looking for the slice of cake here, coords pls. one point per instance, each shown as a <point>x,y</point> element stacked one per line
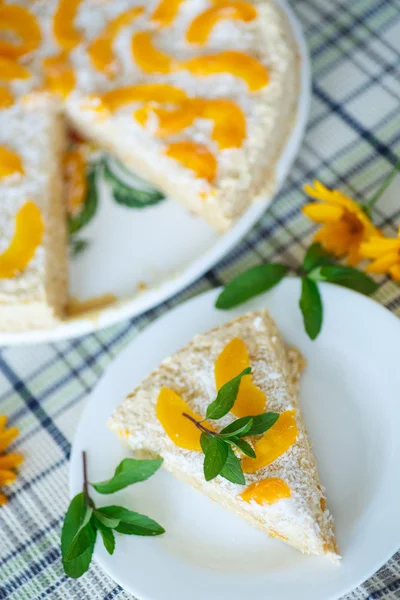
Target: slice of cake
<point>282,494</point>
<point>33,248</point>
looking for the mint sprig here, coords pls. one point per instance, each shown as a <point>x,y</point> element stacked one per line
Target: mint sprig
<point>219,457</point>
<point>83,520</point>
<point>318,265</point>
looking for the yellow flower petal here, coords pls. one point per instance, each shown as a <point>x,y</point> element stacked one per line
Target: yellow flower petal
<point>7,477</point>
<point>7,436</point>
<point>3,422</point>
<point>10,461</point>
<point>377,246</point>
<point>321,213</point>
<point>395,272</point>
<point>384,263</point>
<point>354,256</point>
<point>3,499</point>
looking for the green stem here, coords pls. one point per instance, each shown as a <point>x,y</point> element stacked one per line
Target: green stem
<point>388,180</point>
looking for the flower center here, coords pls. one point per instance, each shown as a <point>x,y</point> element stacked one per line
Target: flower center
<point>353,223</point>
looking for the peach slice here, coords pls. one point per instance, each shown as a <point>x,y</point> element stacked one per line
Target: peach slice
<point>11,69</point>
<point>10,163</point>
<point>195,157</point>
<point>75,180</point>
<point>183,432</point>
<point>166,12</point>
<point>230,362</point>
<point>100,49</point>
<point>275,442</point>
<point>239,64</point>
<point>143,92</point>
<point>201,27</point>
<point>64,30</point>
<point>18,21</point>
<point>6,97</point>
<point>59,74</point>
<point>267,491</point>
<point>148,58</point>
<point>27,237</point>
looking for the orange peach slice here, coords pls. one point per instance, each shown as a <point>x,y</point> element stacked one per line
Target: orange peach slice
<point>239,64</point>
<point>267,491</point>
<point>143,92</point>
<point>230,362</point>
<point>11,69</point>
<point>6,97</point>
<point>148,58</point>
<point>183,432</point>
<point>201,27</point>
<point>64,30</point>
<point>100,49</point>
<point>18,21</point>
<point>10,163</point>
<point>275,442</point>
<point>59,74</point>
<point>75,180</point>
<point>166,12</point>
<point>195,157</point>
<point>27,237</point>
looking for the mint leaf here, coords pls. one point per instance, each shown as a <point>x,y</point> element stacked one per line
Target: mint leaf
<point>77,246</point>
<point>263,422</point>
<point>215,457</point>
<point>232,470</point>
<point>77,519</point>
<point>137,195</point>
<point>311,307</point>
<point>243,446</point>
<point>132,523</point>
<point>104,520</point>
<point>252,282</point>
<point>75,223</point>
<point>129,471</point>
<point>108,539</point>
<point>237,428</point>
<point>315,257</point>
<point>226,397</point>
<point>346,277</point>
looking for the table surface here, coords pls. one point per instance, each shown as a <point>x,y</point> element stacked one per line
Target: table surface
<point>352,141</point>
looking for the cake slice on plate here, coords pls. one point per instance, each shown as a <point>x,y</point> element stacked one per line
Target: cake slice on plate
<point>33,245</point>
<point>282,494</point>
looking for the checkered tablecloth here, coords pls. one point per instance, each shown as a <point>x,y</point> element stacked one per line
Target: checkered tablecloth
<point>353,139</point>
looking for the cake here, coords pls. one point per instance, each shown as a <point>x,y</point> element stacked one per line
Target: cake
<point>33,246</point>
<point>282,494</point>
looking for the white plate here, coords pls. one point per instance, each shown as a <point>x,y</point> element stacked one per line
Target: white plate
<point>163,246</point>
<point>350,399</point>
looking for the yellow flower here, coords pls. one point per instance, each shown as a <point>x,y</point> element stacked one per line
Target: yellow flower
<point>7,461</point>
<point>345,224</point>
<point>386,252</point>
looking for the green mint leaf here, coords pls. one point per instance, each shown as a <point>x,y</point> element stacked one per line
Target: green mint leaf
<point>132,523</point>
<point>104,521</point>
<point>347,277</point>
<point>243,446</point>
<point>311,307</point>
<point>108,539</point>
<point>232,470</point>
<point>215,457</point>
<point>78,556</point>
<point>252,282</point>
<point>226,397</point>
<point>129,471</point>
<point>315,257</point>
<point>261,423</point>
<point>138,194</point>
<point>238,428</point>
<point>78,515</point>
<point>75,223</point>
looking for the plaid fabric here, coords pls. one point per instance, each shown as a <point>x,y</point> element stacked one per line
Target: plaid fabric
<point>352,140</point>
